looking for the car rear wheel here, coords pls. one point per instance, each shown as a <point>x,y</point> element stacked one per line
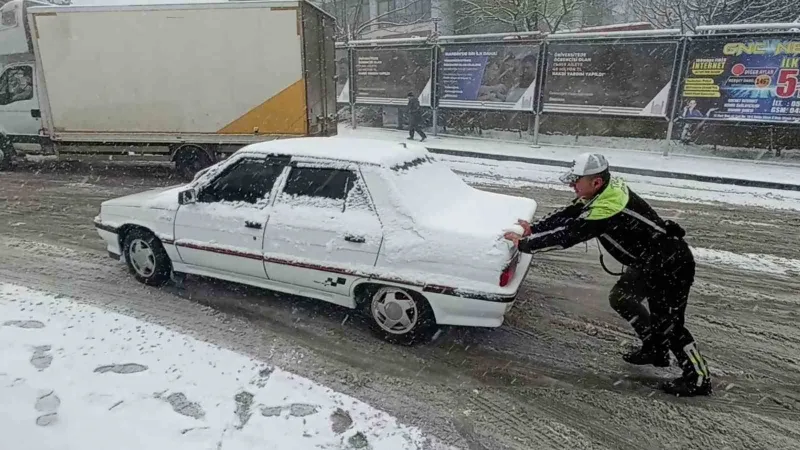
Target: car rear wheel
<point>146,257</point>
<point>399,316</point>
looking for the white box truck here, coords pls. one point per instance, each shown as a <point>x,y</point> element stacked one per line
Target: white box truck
<point>192,81</point>
<point>19,103</point>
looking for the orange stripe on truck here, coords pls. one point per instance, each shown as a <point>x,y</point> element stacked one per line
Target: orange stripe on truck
<point>285,113</point>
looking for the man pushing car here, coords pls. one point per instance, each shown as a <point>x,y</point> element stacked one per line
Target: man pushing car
<point>659,265</point>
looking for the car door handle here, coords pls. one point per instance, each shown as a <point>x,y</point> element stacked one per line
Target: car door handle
<point>250,224</point>
<point>356,239</point>
<point>36,113</point>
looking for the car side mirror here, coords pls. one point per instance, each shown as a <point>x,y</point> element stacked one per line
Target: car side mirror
<point>187,196</point>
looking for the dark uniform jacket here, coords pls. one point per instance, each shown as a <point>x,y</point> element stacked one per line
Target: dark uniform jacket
<point>626,226</point>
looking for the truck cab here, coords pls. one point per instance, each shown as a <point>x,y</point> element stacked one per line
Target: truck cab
<point>20,117</point>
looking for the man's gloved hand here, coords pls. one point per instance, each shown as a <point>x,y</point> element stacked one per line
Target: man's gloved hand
<point>675,230</point>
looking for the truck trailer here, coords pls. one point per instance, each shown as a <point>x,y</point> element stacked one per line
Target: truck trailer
<point>192,81</point>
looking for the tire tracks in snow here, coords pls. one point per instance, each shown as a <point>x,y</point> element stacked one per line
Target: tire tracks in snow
<point>544,380</point>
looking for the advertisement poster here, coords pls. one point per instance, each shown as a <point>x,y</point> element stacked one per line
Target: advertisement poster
<point>342,76</point>
<point>490,76</point>
<point>745,80</point>
<point>385,76</point>
<point>609,78</point>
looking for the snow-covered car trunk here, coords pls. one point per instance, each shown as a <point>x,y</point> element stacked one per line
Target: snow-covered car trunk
<point>434,221</point>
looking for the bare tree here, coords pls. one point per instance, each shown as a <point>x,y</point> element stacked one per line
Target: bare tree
<point>516,15</point>
<point>689,14</point>
<point>354,18</point>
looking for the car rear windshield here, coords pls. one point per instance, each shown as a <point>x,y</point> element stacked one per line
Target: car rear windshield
<point>428,188</point>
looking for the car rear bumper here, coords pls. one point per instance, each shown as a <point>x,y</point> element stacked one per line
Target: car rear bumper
<point>459,311</point>
<point>487,310</point>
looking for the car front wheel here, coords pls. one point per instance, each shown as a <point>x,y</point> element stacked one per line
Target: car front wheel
<point>400,316</point>
<point>146,257</point>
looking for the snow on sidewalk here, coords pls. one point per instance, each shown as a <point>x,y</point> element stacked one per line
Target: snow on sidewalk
<point>75,376</point>
<point>514,174</point>
<point>636,159</point>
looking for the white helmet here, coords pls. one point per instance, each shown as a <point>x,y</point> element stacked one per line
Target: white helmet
<point>585,164</point>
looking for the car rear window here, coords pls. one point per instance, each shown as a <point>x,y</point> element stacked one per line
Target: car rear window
<point>427,187</point>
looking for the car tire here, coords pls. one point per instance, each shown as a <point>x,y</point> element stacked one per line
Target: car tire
<point>398,316</point>
<point>191,159</point>
<point>146,258</point>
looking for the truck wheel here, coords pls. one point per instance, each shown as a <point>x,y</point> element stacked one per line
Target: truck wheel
<point>7,153</point>
<point>190,159</point>
<point>399,316</point>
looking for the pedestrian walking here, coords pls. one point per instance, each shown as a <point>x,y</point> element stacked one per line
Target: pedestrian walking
<point>415,118</point>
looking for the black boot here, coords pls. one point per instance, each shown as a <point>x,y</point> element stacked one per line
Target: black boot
<point>658,357</point>
<point>688,385</point>
<point>696,378</point>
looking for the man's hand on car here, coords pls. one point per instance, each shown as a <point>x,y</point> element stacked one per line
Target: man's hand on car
<point>516,237</point>
<point>526,227</point>
<point>513,237</point>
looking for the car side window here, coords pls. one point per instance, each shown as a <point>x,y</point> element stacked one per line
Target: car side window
<point>318,186</point>
<point>16,85</point>
<point>9,18</point>
<point>249,181</point>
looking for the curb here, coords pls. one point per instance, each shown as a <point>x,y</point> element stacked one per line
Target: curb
<point>629,170</point>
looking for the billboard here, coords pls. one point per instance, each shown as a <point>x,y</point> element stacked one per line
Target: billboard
<point>488,76</point>
<point>609,78</point>
<point>385,76</point>
<point>743,79</point>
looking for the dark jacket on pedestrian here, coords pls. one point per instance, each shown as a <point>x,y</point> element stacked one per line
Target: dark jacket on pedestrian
<point>414,111</point>
<point>625,225</point>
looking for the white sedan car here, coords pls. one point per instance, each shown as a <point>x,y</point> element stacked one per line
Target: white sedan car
<point>378,226</point>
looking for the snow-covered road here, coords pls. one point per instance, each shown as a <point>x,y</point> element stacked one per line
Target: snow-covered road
<point>77,376</point>
<point>516,175</point>
<point>550,378</point>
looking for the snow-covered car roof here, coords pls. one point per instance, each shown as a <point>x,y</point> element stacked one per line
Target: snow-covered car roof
<point>356,150</point>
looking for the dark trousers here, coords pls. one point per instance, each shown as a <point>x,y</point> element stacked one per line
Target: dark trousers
<point>666,289</point>
<point>413,126</point>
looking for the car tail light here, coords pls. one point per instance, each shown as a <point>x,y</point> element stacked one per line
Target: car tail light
<point>509,271</point>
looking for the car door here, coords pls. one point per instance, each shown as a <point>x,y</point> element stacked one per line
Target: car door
<point>19,105</point>
<point>323,228</point>
<point>223,231</point>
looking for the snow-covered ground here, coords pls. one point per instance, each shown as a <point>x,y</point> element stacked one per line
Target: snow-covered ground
<point>519,175</point>
<point>546,380</point>
<point>637,159</point>
<point>75,376</point>
<point>748,261</point>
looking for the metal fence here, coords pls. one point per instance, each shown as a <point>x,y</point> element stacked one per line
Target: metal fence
<point>744,74</point>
